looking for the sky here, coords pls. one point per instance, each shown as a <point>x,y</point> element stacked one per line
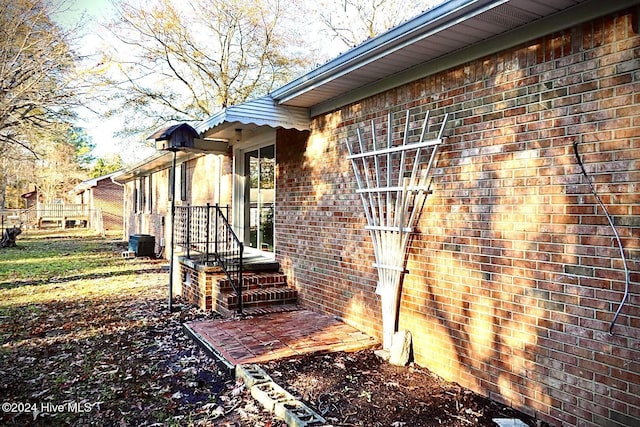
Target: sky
<point>98,128</point>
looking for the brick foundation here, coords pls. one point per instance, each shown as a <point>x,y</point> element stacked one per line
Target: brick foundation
<point>198,284</point>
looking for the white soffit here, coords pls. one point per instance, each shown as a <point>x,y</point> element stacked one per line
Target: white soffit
<point>450,30</point>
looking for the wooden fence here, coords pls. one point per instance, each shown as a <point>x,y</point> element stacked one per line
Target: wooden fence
<point>53,215</point>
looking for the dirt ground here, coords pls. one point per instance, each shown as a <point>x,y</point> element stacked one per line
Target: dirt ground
<point>87,340</point>
<point>359,389</point>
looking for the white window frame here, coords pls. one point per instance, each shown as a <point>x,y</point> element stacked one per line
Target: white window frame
<point>256,142</point>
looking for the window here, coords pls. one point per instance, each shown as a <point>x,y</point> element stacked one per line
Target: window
<point>171,181</point>
<point>150,193</point>
<point>142,195</point>
<point>183,182</point>
<point>136,206</point>
<point>260,167</point>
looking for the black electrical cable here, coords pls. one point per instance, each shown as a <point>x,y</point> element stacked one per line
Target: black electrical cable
<point>615,232</point>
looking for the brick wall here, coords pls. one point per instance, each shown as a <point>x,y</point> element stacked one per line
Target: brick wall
<point>208,179</point>
<point>514,274</point>
<point>196,286</point>
<point>154,222</point>
<point>108,196</point>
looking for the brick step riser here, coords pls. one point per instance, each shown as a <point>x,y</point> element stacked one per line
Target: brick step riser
<point>252,286</point>
<point>229,311</point>
<point>230,299</point>
<point>270,303</point>
<point>228,302</point>
<point>251,283</point>
<point>260,291</point>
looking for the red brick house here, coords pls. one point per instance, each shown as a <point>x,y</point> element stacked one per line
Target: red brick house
<point>31,198</point>
<point>514,276</point>
<point>105,195</point>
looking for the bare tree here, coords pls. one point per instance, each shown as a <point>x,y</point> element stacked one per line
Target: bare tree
<point>16,173</point>
<point>58,170</point>
<point>182,61</point>
<point>354,21</point>
<point>36,66</point>
<point>62,162</point>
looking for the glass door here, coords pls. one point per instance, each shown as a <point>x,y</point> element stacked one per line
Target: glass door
<point>259,197</point>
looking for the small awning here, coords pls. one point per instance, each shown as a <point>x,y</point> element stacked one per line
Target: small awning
<point>152,164</point>
<point>251,115</point>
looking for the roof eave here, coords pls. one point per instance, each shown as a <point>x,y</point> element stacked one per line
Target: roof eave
<point>577,15</point>
<point>155,163</point>
<point>403,34</point>
<point>89,183</point>
<point>442,18</point>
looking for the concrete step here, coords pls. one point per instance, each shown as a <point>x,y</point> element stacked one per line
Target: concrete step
<point>254,263</point>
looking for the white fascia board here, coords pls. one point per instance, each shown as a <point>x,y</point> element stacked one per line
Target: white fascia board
<point>210,146</point>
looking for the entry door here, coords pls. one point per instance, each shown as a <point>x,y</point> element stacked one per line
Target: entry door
<point>259,197</point>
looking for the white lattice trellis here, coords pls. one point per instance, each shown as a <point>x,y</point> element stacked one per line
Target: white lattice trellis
<point>393,179</point>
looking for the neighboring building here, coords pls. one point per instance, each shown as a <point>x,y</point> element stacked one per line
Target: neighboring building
<point>514,275</point>
<point>31,198</point>
<point>102,194</point>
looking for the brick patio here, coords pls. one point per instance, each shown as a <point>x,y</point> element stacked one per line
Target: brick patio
<point>277,335</point>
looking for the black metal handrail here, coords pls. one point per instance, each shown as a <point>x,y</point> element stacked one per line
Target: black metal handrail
<point>206,231</point>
